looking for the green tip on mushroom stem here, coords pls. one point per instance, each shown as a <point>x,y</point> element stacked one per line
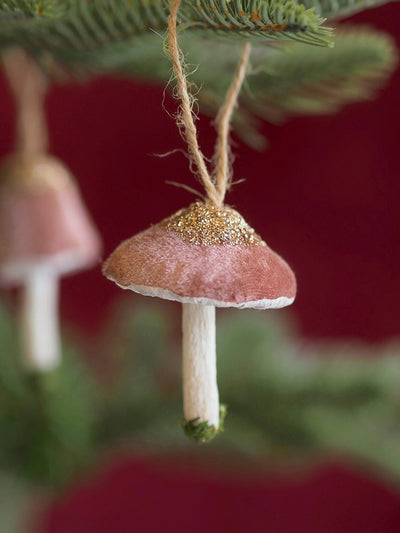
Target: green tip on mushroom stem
<point>202,431</point>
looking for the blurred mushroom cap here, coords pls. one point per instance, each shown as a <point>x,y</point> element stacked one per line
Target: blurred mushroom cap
<point>43,219</point>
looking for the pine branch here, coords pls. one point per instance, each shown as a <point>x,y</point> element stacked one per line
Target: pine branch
<point>294,79</point>
<point>291,80</point>
<point>336,9</point>
<point>315,82</point>
<point>17,10</point>
<point>65,30</point>
<point>273,18</point>
<point>119,36</point>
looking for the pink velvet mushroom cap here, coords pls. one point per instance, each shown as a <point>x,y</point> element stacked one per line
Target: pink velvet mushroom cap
<point>43,219</point>
<point>204,255</point>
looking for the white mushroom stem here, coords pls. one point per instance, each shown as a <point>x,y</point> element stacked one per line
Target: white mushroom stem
<point>39,320</point>
<point>200,392</point>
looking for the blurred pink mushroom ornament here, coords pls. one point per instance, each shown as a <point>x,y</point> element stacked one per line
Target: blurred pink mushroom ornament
<point>45,232</point>
<point>45,229</point>
<point>204,257</point>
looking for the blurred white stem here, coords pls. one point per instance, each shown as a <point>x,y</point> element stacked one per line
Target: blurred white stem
<point>40,327</point>
<point>200,392</point>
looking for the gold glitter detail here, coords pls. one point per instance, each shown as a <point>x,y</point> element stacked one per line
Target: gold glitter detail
<point>205,224</point>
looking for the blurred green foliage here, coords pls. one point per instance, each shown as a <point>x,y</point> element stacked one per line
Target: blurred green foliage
<point>47,420</point>
<point>287,399</point>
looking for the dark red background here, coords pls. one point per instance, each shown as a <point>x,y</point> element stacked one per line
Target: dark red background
<point>326,196</point>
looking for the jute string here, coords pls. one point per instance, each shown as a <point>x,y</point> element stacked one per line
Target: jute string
<point>222,154</point>
<point>28,86</point>
<point>216,184</point>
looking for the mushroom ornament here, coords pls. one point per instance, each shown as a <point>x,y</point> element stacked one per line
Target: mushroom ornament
<point>204,257</point>
<point>45,228</point>
<point>45,232</point>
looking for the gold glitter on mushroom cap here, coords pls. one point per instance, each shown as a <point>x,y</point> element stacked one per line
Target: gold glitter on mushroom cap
<point>204,224</point>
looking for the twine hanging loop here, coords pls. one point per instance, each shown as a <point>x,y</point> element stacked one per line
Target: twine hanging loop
<point>216,183</point>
